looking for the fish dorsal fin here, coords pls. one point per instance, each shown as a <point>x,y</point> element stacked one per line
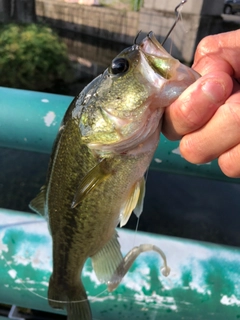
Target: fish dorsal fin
<point>106,261</point>
<point>139,207</point>
<point>134,200</point>
<point>89,182</point>
<point>38,203</point>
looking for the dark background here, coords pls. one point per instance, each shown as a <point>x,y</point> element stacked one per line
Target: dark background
<point>175,205</point>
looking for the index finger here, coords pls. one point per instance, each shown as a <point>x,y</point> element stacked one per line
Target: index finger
<point>219,52</point>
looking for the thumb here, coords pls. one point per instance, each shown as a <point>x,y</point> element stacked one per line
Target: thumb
<point>196,105</point>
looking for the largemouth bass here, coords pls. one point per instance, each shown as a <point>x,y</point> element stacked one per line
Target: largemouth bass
<point>96,174</point>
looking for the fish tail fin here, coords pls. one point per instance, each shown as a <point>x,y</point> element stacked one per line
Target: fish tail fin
<point>79,310</point>
<point>74,299</point>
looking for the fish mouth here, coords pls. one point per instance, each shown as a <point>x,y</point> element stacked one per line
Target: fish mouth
<point>161,62</point>
<point>151,46</point>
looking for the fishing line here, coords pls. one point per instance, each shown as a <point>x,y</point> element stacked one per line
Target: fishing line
<point>178,17</point>
<point>8,263</point>
<point>138,219</point>
<point>22,283</point>
<point>135,232</point>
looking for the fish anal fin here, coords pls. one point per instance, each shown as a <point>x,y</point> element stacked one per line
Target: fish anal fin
<point>131,202</point>
<point>106,260</point>
<point>95,176</point>
<point>38,203</point>
<point>139,207</point>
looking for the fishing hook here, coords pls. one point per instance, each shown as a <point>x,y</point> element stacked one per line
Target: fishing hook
<point>135,40</point>
<point>177,19</point>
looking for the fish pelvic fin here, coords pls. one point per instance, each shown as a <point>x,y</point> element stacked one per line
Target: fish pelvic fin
<point>72,298</point>
<point>106,260</point>
<point>134,202</point>
<point>38,203</point>
<point>139,207</point>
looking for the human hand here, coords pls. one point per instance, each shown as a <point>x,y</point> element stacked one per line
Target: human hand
<point>206,117</point>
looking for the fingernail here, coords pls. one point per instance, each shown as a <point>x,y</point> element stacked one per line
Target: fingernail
<point>214,89</point>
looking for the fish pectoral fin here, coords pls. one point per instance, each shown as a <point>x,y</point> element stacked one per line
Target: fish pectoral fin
<point>139,207</point>
<point>95,176</point>
<point>106,260</point>
<point>134,200</point>
<point>38,203</point>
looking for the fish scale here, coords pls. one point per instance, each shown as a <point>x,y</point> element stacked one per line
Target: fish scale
<point>96,174</point>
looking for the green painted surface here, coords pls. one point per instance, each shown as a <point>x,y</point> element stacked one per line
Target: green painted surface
<point>204,282</point>
<point>30,121</point>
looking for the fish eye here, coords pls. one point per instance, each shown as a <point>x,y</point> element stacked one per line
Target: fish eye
<point>119,65</point>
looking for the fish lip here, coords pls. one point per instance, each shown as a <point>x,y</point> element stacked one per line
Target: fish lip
<point>151,46</point>
<point>159,60</point>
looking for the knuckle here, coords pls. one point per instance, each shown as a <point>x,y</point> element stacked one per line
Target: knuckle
<point>193,150</point>
<point>228,163</point>
<point>234,110</point>
<point>187,113</point>
<point>206,45</point>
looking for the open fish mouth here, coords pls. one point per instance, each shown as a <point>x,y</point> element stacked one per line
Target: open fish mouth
<point>153,47</point>
<point>167,66</point>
